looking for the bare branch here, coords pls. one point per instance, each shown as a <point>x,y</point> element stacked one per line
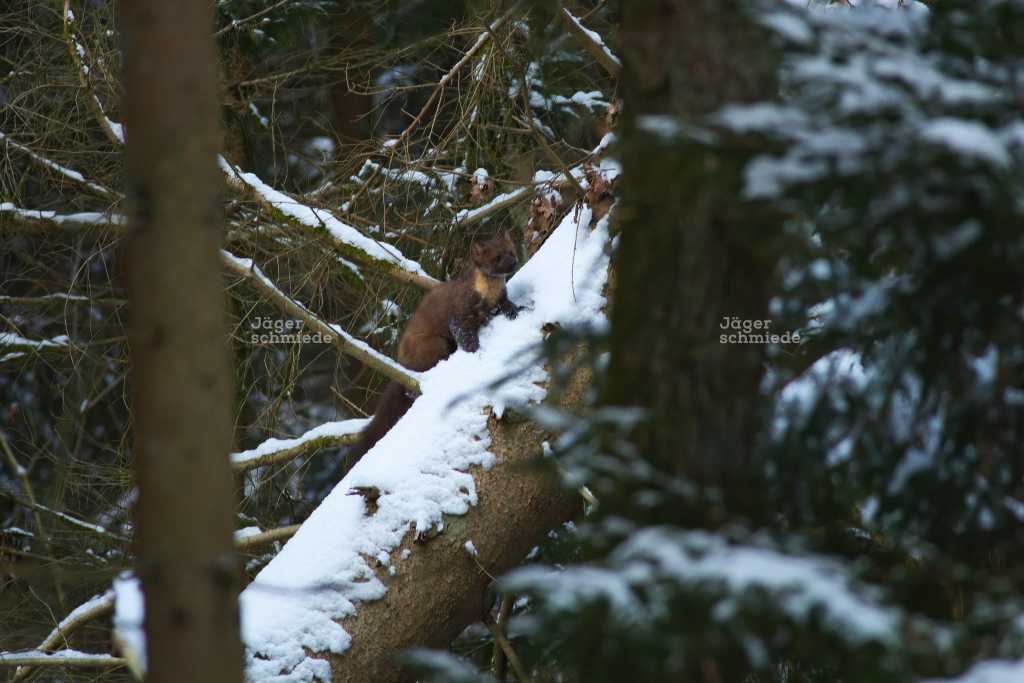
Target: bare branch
<point>252,17</point>
<point>264,537</point>
<point>26,485</point>
<point>481,39</point>
<point>59,299</point>
<point>498,632</point>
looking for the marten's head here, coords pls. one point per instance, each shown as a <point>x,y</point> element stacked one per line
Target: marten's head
<point>495,257</point>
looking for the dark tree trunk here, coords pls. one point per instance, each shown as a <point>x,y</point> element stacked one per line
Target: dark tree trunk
<point>691,252</point>
<point>353,30</point>
<point>178,332</point>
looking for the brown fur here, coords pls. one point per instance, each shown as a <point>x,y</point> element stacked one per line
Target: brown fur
<point>448,318</point>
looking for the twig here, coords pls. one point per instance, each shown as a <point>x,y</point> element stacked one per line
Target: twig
<point>60,299</point>
<point>481,39</point>
<point>22,474</point>
<point>500,660</point>
<point>544,143</point>
<point>498,633</point>
<point>252,17</point>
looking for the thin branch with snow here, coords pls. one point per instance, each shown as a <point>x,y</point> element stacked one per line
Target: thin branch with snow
<point>81,219</point>
<point>341,340</point>
<point>60,658</point>
<point>540,179</point>
<point>114,131</point>
<point>273,451</point>
<point>592,42</point>
<point>70,174</point>
<point>350,242</point>
<point>94,608</point>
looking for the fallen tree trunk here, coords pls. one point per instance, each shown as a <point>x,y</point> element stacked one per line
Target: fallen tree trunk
<point>400,554</point>
<point>440,588</point>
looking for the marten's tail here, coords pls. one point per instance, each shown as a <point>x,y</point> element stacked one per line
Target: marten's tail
<point>393,404</point>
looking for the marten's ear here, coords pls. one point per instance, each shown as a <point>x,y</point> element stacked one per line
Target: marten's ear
<point>507,237</point>
<point>476,251</point>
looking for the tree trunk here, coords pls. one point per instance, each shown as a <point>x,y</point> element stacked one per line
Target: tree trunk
<point>691,252</point>
<point>439,589</point>
<point>178,332</point>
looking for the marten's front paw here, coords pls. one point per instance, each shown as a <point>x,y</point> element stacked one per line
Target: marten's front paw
<point>472,345</point>
<point>511,311</point>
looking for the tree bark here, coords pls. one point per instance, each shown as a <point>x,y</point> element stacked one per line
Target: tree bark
<point>178,335</point>
<point>691,251</point>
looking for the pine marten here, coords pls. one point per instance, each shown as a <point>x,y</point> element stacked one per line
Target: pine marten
<point>448,318</point>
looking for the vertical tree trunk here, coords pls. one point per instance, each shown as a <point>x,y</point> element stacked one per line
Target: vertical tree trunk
<point>691,252</point>
<point>352,29</point>
<point>178,333</point>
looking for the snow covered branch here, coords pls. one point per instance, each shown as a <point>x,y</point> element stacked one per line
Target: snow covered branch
<point>70,174</point>
<point>347,240</point>
<point>71,520</point>
<point>592,42</point>
<point>15,343</point>
<point>60,658</point>
<point>94,608</point>
<point>274,451</point>
<point>14,347</point>
<point>341,340</point>
<point>114,131</point>
<point>575,176</point>
<point>80,219</point>
<point>243,267</point>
